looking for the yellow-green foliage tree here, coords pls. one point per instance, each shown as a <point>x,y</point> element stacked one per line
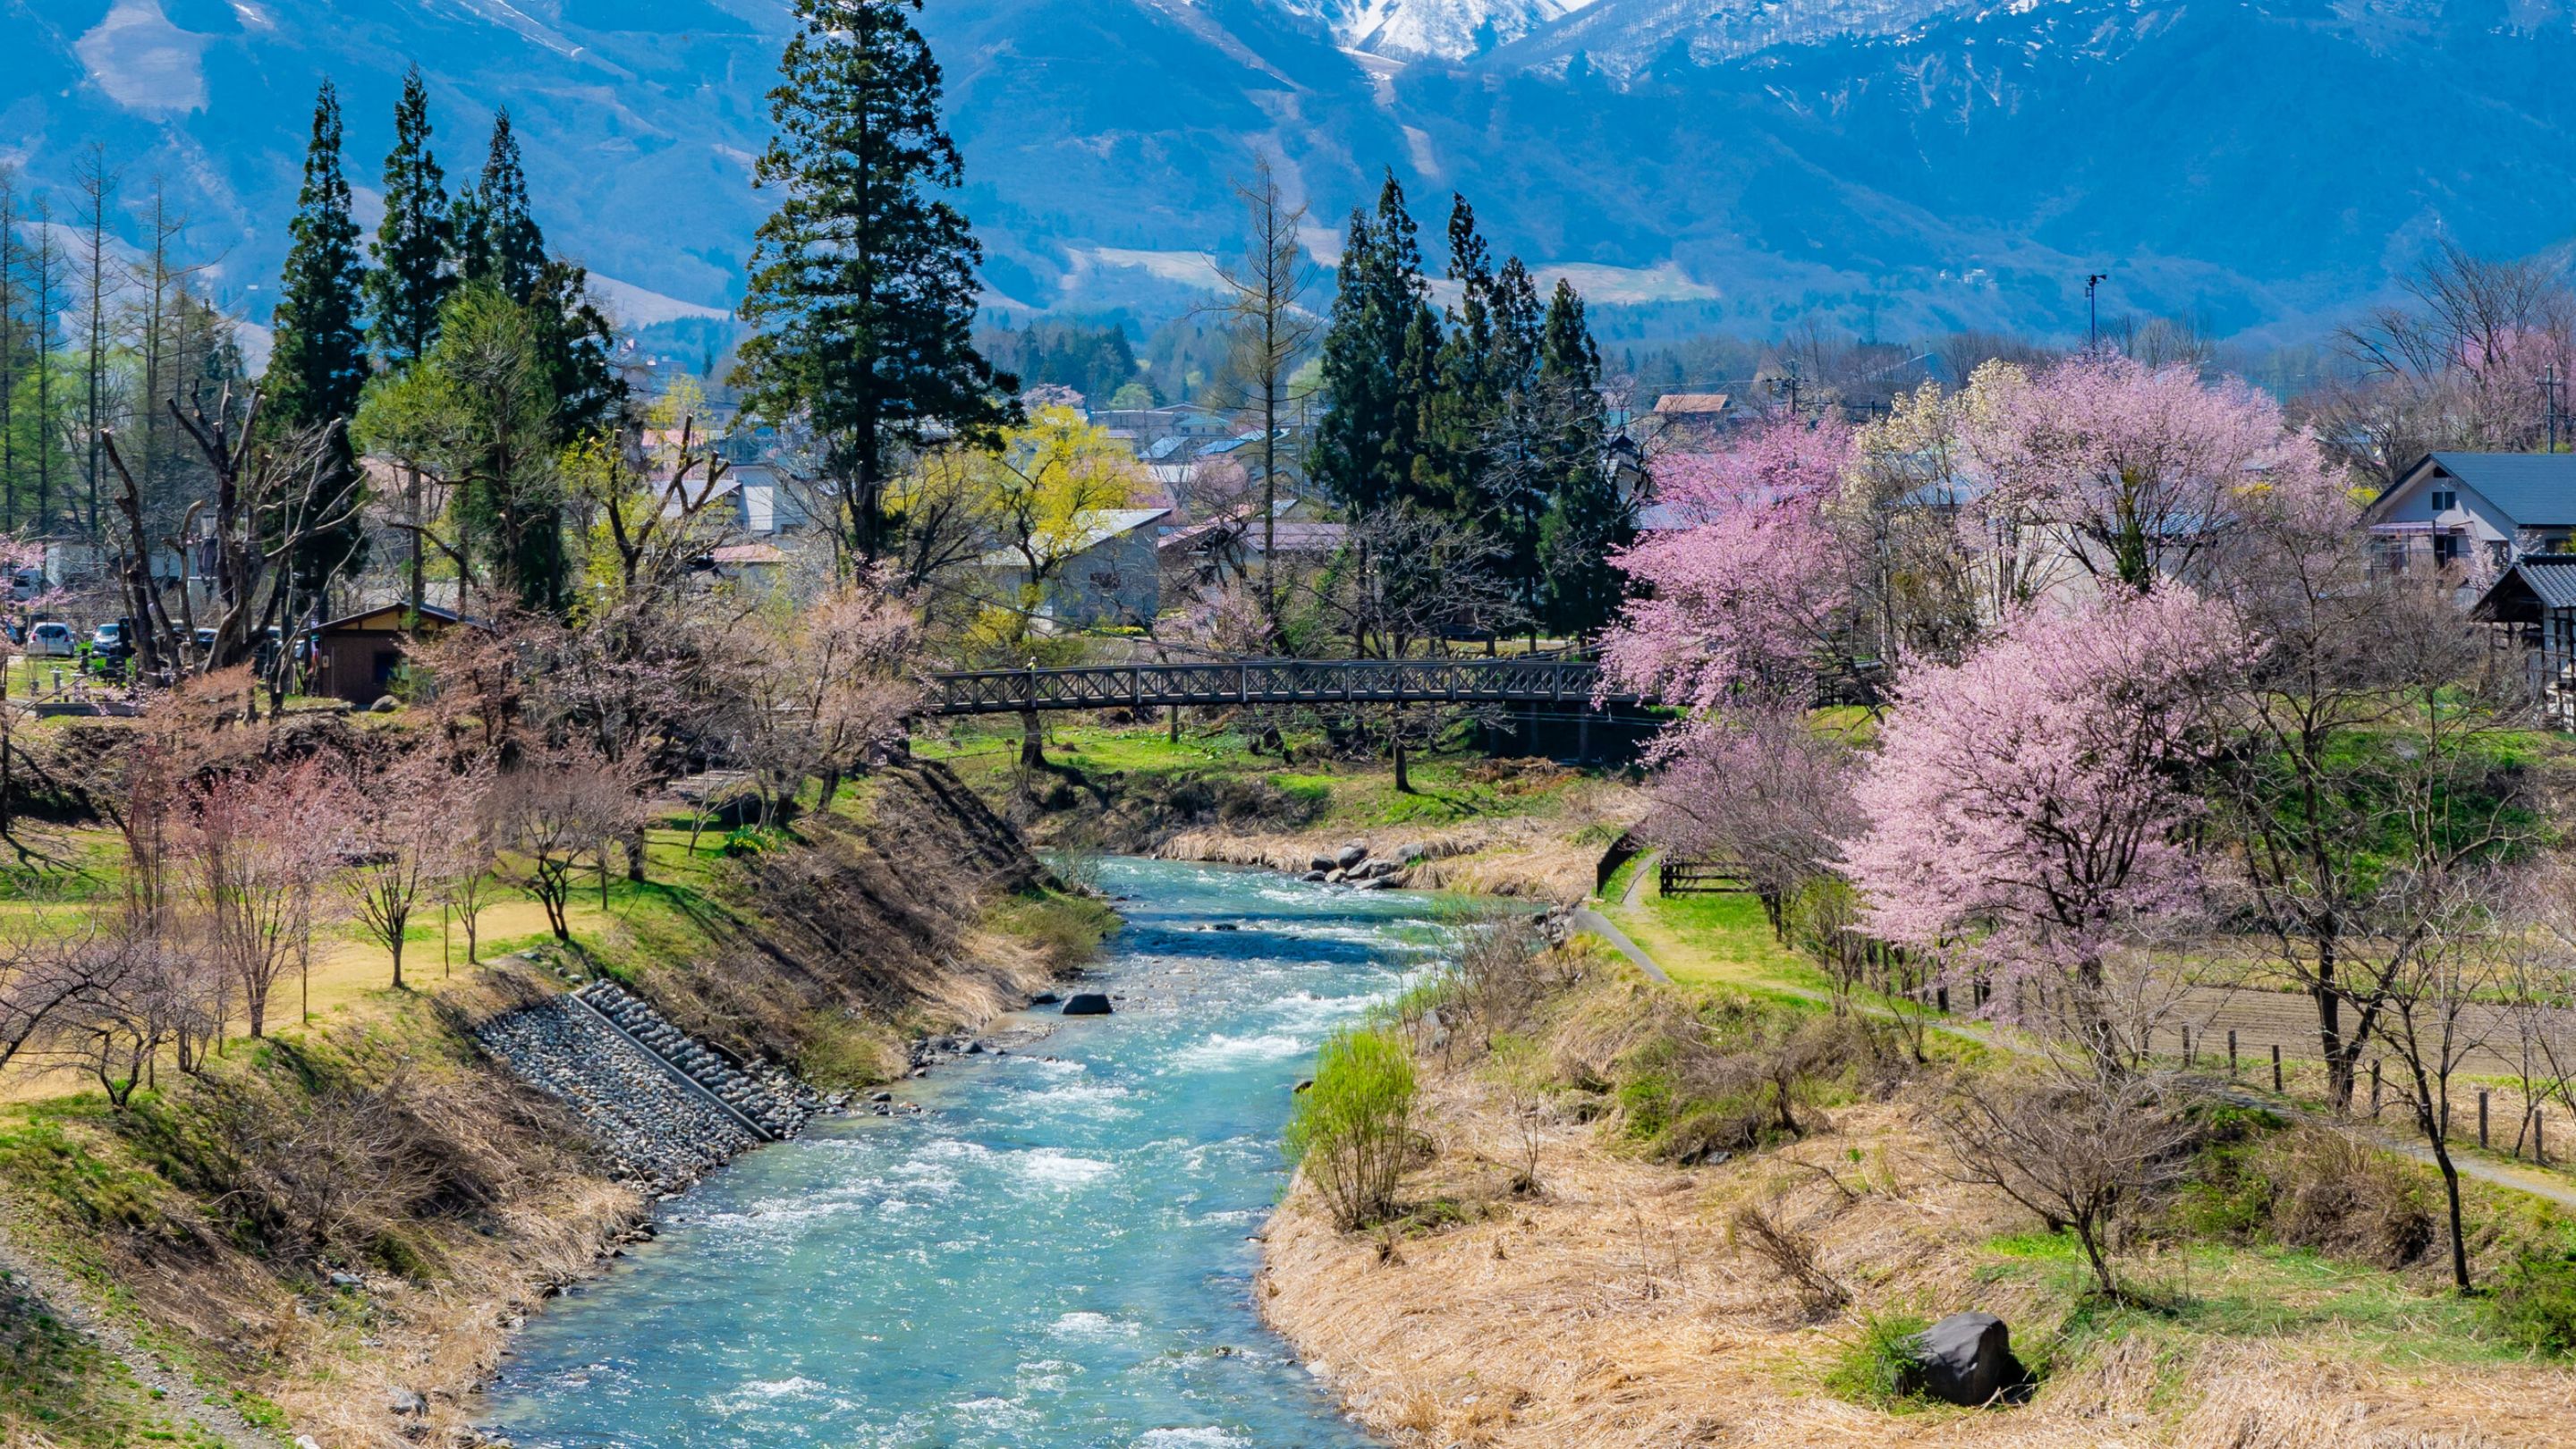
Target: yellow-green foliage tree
<point>1038,496</point>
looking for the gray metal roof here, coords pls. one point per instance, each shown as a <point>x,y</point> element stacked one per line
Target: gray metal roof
<point>2537,489</point>
<point>2537,583</point>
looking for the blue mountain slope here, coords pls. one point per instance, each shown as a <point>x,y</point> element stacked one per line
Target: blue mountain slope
<point>2259,163</point>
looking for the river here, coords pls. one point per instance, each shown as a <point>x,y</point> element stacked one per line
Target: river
<point>1055,1255</point>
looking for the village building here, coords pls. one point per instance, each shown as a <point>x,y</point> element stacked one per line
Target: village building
<point>2482,511</point>
<point>1113,578</point>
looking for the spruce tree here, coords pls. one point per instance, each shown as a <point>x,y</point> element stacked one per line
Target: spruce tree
<point>863,282</point>
<point>411,279</point>
<point>497,239</point>
<point>1380,353</point>
<point>318,363</point>
<point>1588,518</point>
<point>1462,404</point>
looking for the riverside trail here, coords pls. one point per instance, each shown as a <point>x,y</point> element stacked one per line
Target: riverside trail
<point>1056,1253</point>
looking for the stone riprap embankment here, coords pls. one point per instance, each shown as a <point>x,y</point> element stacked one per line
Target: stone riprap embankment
<point>659,1103</point>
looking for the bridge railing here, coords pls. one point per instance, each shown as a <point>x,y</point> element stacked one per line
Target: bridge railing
<point>1265,681</point>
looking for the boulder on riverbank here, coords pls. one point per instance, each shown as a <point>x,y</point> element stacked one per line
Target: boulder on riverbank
<point>1087,1003</point>
<point>1967,1359</point>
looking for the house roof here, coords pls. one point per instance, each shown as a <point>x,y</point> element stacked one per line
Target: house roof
<point>392,614</point>
<point>1686,404</point>
<point>1098,527</point>
<point>2540,583</point>
<point>2535,490</point>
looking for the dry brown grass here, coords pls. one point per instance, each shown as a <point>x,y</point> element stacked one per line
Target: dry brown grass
<point>1609,1311</point>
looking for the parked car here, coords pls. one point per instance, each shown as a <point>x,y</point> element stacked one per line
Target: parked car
<point>52,640</point>
<point>109,639</point>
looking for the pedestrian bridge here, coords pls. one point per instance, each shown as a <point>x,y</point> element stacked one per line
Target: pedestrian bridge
<point>1517,683</point>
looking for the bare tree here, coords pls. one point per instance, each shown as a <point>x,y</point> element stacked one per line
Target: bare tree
<point>2437,1010</point>
<point>2079,1149</point>
<point>275,503</point>
<point>260,845</point>
<point>1269,333</point>
<point>403,836</point>
<point>562,810</point>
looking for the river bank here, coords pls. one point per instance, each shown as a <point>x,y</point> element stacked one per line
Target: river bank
<point>1687,1270</point>
<point>332,1234</point>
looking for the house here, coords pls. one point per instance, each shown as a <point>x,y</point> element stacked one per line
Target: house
<point>1112,579</point>
<point>1686,418</point>
<point>355,658</point>
<point>2481,510</point>
<point>1228,545</point>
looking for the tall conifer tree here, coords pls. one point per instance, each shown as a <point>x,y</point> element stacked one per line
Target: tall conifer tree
<point>497,239</point>
<point>1380,355</point>
<point>411,279</point>
<point>1588,518</point>
<point>863,282</point>
<point>318,364</point>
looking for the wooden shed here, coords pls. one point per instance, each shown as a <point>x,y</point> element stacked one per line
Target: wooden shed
<point>355,657</point>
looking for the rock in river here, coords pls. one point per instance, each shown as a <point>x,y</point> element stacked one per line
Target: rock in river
<point>1088,1003</point>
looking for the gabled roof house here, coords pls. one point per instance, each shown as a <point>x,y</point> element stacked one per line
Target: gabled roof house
<point>2480,509</point>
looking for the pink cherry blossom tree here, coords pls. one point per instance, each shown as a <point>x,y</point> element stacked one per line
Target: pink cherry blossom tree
<point>2134,470</point>
<point>2028,810</point>
<point>1743,598</point>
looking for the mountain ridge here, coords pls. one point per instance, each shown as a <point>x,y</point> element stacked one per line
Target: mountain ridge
<point>1909,165</point>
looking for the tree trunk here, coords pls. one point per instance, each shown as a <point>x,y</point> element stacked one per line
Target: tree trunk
<point>1032,741</point>
<point>635,856</point>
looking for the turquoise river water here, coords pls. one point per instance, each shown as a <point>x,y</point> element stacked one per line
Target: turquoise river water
<point>1056,1255</point>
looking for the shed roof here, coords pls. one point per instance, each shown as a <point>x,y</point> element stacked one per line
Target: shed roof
<point>2538,584</point>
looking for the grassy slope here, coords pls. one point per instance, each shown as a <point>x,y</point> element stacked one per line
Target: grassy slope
<point>115,1201</point>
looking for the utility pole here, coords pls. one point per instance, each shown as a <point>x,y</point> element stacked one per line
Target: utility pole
<point>2549,384</point>
<point>2093,308</point>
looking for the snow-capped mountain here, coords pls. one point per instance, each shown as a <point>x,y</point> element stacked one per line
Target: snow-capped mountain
<point>1907,164</point>
<point>1450,30</point>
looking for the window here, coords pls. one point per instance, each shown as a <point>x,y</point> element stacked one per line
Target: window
<point>2445,499</point>
<point>2446,548</point>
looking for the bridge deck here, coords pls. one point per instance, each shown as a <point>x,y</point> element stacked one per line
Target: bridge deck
<point>1272,681</point>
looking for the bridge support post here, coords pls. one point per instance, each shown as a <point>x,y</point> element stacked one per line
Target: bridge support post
<point>1032,740</point>
<point>1176,724</point>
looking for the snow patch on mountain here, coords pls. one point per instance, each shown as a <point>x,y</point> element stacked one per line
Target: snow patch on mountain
<point>144,62</point>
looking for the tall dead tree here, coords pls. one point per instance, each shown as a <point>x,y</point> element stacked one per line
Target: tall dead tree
<point>274,498</point>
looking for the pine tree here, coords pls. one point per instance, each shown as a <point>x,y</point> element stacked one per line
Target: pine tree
<point>411,281</point>
<point>497,239</point>
<point>1588,518</point>
<point>317,366</point>
<point>863,282</point>
<point>1380,352</point>
<point>1462,405</point>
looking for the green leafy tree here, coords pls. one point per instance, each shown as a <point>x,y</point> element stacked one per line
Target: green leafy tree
<point>411,280</point>
<point>480,414</point>
<point>863,282</point>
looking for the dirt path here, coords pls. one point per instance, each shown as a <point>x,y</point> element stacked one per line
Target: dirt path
<point>170,1390</point>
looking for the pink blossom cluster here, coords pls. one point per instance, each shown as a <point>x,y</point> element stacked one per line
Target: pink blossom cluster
<point>1744,595</point>
<point>2028,806</point>
<point>2136,469</point>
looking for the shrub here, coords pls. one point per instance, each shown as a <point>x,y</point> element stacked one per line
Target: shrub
<point>1883,1365</point>
<point>2535,1303</point>
<point>2348,1199</point>
<point>1353,1129</point>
